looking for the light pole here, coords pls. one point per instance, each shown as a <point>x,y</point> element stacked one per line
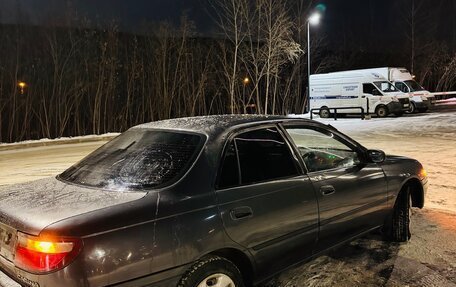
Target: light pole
<point>245,82</point>
<point>313,20</point>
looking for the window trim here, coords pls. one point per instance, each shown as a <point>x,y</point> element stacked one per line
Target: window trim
<point>358,148</point>
<point>231,138</point>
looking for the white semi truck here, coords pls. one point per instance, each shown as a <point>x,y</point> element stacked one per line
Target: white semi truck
<point>420,99</point>
<point>348,91</point>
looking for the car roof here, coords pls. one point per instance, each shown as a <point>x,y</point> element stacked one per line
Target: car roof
<point>215,124</point>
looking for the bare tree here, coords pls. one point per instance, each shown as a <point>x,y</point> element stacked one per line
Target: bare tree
<point>231,20</point>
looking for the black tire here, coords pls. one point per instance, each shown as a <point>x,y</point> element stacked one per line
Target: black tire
<point>209,268</point>
<point>381,111</point>
<point>400,225</point>
<point>324,113</point>
<point>412,108</point>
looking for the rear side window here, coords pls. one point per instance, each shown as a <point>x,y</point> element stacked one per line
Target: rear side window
<point>137,159</point>
<point>263,155</point>
<point>229,175</point>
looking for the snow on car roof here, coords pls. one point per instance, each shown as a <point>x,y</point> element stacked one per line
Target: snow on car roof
<point>211,125</point>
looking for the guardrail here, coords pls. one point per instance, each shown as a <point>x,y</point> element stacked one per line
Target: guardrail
<point>335,111</point>
<point>443,95</point>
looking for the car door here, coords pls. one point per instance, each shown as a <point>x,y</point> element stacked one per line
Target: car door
<point>266,202</point>
<point>351,192</point>
<point>372,94</point>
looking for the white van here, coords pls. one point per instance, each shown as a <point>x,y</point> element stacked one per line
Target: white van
<point>348,90</point>
<point>420,99</point>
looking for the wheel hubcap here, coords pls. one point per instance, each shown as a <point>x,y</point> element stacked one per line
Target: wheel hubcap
<point>217,280</point>
<point>324,113</point>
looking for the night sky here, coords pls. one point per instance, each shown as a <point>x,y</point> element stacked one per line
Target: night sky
<point>347,24</point>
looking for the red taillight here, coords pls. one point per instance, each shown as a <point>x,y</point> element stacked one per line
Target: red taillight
<point>38,255</point>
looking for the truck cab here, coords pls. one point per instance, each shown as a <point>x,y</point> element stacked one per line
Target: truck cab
<point>421,100</point>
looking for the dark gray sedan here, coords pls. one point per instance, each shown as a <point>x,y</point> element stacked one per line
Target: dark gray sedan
<point>208,201</point>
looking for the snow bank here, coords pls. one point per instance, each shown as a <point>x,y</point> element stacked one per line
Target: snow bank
<point>450,101</point>
<point>62,140</point>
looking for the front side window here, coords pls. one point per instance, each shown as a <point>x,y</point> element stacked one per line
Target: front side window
<point>259,155</point>
<point>371,89</point>
<point>414,86</point>
<point>320,150</point>
<point>385,87</point>
<point>401,86</point>
<point>137,159</point>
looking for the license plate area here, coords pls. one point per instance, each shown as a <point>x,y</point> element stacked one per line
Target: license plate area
<point>8,237</point>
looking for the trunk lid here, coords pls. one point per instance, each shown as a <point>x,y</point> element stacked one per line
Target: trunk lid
<point>32,206</point>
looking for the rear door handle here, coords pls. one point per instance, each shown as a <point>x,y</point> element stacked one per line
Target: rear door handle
<point>241,212</point>
<point>327,190</point>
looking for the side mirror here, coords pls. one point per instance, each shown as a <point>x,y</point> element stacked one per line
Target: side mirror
<point>377,156</point>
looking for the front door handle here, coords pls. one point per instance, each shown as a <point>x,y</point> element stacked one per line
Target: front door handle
<point>241,212</point>
<point>327,190</point>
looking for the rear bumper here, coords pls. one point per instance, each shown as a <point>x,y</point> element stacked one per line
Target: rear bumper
<point>60,278</point>
<point>6,281</point>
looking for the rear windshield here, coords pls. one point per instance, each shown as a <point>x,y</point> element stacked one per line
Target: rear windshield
<point>137,159</point>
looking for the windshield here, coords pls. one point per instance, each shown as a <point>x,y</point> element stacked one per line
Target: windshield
<point>414,86</point>
<point>386,87</point>
<point>136,159</point>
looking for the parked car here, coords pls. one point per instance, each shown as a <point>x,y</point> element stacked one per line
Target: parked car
<point>205,201</point>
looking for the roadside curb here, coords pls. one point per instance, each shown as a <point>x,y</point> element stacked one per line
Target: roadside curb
<point>41,143</point>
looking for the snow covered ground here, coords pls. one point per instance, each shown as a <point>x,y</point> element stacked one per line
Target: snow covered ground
<point>429,259</point>
<point>429,138</point>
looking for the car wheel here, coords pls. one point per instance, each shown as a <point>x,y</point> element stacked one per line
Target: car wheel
<point>400,227</point>
<point>212,271</point>
<point>324,113</point>
<point>412,108</point>
<point>381,111</point>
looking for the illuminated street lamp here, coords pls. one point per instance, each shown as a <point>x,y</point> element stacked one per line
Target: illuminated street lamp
<point>245,82</point>
<point>22,86</point>
<point>313,20</point>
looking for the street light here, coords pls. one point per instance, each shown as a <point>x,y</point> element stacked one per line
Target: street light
<point>245,82</point>
<point>313,20</point>
<point>22,86</point>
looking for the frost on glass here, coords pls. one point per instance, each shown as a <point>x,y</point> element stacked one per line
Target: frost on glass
<point>137,159</point>
<point>33,205</point>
